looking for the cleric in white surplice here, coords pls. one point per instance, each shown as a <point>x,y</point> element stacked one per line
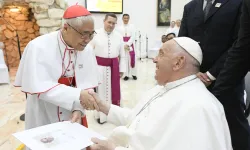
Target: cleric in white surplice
<point>57,69</point>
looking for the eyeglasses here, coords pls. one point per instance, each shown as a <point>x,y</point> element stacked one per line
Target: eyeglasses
<point>85,34</point>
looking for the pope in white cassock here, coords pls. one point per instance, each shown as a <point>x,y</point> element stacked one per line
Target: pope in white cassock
<point>110,55</point>
<point>57,69</point>
<point>128,32</point>
<point>178,114</point>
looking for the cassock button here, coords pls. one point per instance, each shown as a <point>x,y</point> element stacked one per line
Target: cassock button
<point>71,61</point>
<point>72,52</point>
<point>68,70</point>
<point>60,112</point>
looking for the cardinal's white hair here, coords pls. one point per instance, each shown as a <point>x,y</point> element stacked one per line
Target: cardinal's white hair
<point>78,21</point>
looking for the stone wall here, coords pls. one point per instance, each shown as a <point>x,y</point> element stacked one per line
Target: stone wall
<point>45,16</point>
<point>26,29</point>
<point>48,14</point>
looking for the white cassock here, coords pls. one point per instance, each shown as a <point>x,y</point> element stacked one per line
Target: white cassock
<point>183,115</point>
<point>172,30</point>
<point>129,31</point>
<point>177,29</point>
<point>108,46</point>
<point>38,74</point>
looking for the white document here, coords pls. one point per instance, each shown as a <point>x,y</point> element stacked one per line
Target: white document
<point>58,136</point>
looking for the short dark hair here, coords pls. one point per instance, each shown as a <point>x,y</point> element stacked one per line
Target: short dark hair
<point>125,15</point>
<point>171,34</point>
<point>110,15</point>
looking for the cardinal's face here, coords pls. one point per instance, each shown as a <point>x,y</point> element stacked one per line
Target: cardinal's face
<point>81,35</point>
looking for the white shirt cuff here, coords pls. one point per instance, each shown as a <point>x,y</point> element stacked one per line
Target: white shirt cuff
<point>111,114</point>
<point>77,105</point>
<point>210,76</point>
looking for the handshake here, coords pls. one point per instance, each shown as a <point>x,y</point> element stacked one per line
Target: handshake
<point>91,101</point>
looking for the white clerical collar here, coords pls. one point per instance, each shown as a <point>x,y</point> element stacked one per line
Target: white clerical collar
<point>108,33</point>
<point>62,43</point>
<point>176,83</point>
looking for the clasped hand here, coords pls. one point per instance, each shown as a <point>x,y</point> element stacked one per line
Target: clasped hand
<point>88,101</point>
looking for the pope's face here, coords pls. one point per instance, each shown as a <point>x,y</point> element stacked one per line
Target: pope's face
<point>164,63</point>
<point>82,35</point>
<point>109,24</point>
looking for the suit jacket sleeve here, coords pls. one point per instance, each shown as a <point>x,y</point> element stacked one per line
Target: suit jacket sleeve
<point>183,29</point>
<point>238,60</point>
<point>218,66</point>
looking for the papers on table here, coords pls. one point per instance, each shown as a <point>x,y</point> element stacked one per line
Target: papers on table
<point>58,136</point>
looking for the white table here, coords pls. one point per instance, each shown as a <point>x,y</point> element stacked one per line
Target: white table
<point>4,74</point>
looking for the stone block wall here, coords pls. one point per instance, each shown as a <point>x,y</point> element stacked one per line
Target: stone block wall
<point>48,14</point>
<point>26,29</point>
<point>46,17</point>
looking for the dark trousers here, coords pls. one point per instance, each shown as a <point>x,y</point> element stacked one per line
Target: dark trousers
<point>234,106</point>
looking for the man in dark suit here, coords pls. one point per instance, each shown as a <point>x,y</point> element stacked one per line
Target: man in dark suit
<point>215,25</point>
<point>236,67</point>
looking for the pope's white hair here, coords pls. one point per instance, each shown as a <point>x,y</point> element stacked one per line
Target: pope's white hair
<point>78,21</point>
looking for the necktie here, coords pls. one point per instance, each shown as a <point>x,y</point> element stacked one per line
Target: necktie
<point>207,8</point>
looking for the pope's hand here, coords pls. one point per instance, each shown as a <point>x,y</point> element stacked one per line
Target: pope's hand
<point>87,101</point>
<point>102,145</point>
<point>76,116</point>
<point>103,107</point>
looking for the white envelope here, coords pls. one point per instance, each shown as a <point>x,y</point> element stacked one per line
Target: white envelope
<point>58,136</point>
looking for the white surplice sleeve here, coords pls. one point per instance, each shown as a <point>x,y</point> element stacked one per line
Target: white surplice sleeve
<point>119,116</point>
<point>132,37</point>
<point>122,56</point>
<point>63,96</point>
